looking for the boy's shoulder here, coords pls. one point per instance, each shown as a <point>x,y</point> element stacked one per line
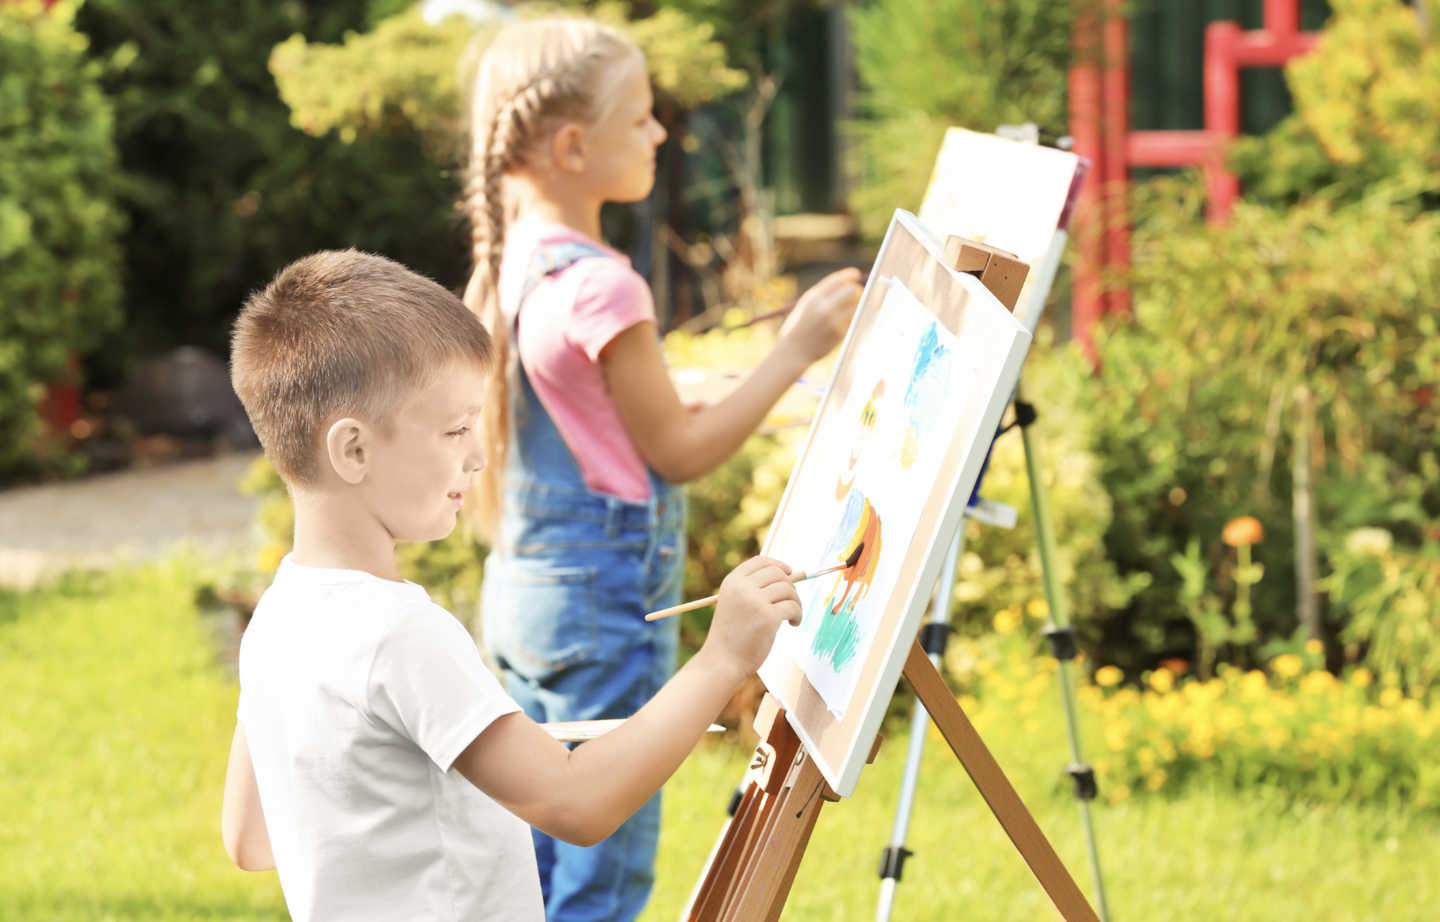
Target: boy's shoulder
<point>302,598</point>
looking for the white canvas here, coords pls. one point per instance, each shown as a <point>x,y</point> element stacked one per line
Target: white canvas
<point>836,712</point>
<point>876,463</point>
<point>1009,194</point>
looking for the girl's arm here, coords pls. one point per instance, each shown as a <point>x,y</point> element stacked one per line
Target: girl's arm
<point>242,823</point>
<point>680,444</point>
<point>583,795</point>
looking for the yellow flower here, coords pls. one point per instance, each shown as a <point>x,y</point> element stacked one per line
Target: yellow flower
<point>1119,793</point>
<point>1108,676</point>
<point>1317,682</point>
<point>1362,677</point>
<point>270,557</point>
<point>1006,620</point>
<point>1254,684</point>
<point>1391,697</point>
<point>1156,779</point>
<point>1162,680</point>
<point>1314,647</point>
<point>1037,608</point>
<point>1287,665</point>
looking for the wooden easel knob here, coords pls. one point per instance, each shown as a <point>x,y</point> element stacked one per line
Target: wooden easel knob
<point>1001,272</point>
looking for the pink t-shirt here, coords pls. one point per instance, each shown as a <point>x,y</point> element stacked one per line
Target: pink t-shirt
<point>570,317</point>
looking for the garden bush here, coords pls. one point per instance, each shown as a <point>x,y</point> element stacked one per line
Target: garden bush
<point>406,76</point>
<point>59,255</point>
<point>1283,367</point>
<point>222,191</point>
<point>1296,342</point>
<point>1291,727</point>
<point>1367,112</point>
<point>990,64</point>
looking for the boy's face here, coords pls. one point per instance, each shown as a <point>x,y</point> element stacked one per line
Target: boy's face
<point>420,464</point>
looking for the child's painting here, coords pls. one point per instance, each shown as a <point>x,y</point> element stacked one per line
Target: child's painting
<point>892,455</point>
<point>873,473</point>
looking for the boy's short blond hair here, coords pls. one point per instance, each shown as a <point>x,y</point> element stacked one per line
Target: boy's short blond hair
<point>342,333</point>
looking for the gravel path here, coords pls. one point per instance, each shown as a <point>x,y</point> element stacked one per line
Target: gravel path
<point>134,515</point>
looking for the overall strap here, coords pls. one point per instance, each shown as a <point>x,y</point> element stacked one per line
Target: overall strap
<point>540,454</point>
<point>550,259</point>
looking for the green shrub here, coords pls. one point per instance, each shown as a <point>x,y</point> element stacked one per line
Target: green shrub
<point>1000,570</point>
<point>1298,729</point>
<point>1292,728</point>
<point>1299,340</point>
<point>59,259</point>
<point>1390,597</point>
<point>406,77</point>
<point>1367,112</point>
<point>925,65</point>
<point>222,191</point>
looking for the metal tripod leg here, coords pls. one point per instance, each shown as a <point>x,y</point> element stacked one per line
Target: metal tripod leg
<point>895,854</point>
<point>1062,642</point>
<point>1063,647</point>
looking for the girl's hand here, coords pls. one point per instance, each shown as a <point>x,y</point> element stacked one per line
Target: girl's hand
<point>822,315</point>
<point>754,599</point>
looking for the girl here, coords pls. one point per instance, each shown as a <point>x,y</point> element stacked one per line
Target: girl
<point>587,436</point>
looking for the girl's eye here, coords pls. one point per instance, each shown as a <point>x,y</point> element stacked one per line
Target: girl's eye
<point>456,433</point>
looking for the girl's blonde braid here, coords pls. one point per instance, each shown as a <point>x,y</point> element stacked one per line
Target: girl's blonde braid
<point>511,129</point>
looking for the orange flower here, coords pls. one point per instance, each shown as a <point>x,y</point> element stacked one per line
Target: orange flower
<point>1176,665</point>
<point>1244,530</point>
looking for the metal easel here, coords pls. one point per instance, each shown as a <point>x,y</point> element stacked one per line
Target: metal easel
<point>935,633</point>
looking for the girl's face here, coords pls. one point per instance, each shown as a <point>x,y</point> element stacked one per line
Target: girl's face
<point>620,145</point>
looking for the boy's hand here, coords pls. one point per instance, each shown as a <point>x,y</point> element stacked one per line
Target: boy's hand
<point>822,315</point>
<point>754,599</point>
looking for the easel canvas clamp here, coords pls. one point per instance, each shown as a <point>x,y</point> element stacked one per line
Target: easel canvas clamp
<point>753,865</point>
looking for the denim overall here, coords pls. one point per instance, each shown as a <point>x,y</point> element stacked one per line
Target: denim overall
<point>565,593</point>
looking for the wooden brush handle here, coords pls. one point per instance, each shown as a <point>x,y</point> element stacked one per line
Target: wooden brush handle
<point>710,599</point>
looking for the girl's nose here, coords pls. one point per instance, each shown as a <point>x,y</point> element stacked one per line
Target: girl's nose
<point>475,460</point>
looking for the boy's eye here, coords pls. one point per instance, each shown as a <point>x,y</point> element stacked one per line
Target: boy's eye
<point>456,433</point>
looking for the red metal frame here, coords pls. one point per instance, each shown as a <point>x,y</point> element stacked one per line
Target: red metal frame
<point>1099,84</point>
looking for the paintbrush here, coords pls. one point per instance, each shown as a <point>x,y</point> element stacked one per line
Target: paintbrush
<point>794,578</point>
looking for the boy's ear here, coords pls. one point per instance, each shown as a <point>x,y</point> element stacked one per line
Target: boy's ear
<point>347,449</point>
<point>567,147</point>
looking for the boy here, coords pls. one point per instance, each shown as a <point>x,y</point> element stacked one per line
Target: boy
<point>396,777</point>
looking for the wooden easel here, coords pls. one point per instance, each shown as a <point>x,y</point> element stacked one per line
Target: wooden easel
<point>753,865</point>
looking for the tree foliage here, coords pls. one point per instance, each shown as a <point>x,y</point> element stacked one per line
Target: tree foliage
<point>407,75</point>
<point>59,256</point>
<point>925,65</point>
<point>1367,112</point>
<point>221,190</point>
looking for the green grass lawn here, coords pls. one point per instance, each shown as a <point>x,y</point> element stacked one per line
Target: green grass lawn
<point>118,713</point>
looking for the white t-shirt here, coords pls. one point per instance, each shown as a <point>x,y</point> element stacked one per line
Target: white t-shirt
<point>357,694</point>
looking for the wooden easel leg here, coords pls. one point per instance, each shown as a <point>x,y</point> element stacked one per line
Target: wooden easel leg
<point>985,772</point>
<point>753,866</point>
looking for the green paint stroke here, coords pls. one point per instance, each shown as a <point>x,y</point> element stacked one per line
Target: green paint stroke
<point>837,637</point>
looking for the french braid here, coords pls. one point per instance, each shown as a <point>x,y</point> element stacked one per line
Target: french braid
<point>533,74</point>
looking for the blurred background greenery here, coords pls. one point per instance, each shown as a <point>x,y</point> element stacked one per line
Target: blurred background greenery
<point>1246,489</point>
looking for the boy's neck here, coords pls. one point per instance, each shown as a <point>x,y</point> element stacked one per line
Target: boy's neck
<point>334,532</point>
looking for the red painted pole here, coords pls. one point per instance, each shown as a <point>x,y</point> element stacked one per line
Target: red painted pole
<point>1116,173</point>
<point>1282,17</point>
<point>1222,116</point>
<point>1086,305</point>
